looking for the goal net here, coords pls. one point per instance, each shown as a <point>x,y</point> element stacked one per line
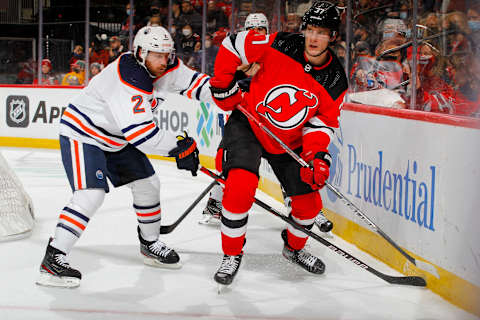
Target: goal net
<point>16,209</point>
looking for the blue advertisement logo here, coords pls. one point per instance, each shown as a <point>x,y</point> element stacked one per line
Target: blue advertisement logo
<point>403,193</point>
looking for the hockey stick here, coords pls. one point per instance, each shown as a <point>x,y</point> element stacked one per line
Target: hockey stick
<point>170,228</point>
<point>408,280</point>
<point>419,264</point>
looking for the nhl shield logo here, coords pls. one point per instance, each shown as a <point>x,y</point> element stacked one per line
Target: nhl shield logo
<point>17,111</point>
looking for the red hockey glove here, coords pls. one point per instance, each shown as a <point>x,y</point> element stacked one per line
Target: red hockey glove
<point>186,154</point>
<point>226,98</point>
<point>317,176</point>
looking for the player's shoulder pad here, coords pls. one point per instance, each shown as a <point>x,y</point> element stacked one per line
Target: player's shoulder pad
<point>291,44</point>
<point>332,77</point>
<point>133,74</point>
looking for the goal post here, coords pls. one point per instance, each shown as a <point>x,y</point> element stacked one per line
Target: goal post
<point>16,208</point>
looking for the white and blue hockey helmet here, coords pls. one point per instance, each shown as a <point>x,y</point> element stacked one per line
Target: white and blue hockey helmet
<point>153,39</point>
<point>256,20</point>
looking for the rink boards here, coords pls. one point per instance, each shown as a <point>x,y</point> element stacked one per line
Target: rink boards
<point>415,175</point>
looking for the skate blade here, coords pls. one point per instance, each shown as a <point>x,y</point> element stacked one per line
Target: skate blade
<point>49,280</point>
<point>328,234</point>
<point>223,288</point>
<point>209,220</point>
<point>157,264</point>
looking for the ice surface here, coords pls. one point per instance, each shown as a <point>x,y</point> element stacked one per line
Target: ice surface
<point>117,285</point>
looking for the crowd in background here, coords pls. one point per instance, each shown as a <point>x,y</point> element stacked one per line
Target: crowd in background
<point>381,58</point>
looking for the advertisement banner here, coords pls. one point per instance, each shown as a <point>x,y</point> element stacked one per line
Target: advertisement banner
<point>420,189</point>
<point>417,179</point>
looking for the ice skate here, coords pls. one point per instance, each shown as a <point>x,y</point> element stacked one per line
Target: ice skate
<point>212,212</point>
<point>302,257</point>
<point>157,254</point>
<point>323,224</point>
<point>227,270</point>
<point>55,271</point>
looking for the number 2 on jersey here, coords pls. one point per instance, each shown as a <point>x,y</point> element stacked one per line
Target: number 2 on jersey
<point>136,107</point>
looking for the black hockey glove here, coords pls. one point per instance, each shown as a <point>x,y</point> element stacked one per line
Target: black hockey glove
<point>226,98</point>
<point>186,154</point>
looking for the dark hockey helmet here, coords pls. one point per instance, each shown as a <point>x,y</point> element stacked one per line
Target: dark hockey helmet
<point>322,14</point>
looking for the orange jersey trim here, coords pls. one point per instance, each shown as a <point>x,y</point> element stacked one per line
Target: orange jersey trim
<point>189,92</point>
<point>139,132</point>
<point>90,131</point>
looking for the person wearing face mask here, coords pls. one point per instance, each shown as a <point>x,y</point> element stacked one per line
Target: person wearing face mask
<point>473,17</point>
<point>210,54</point>
<point>155,14</point>
<point>186,43</point>
<point>393,27</point>
<point>137,22</point>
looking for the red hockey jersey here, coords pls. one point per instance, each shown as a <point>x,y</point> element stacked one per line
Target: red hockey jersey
<point>298,102</point>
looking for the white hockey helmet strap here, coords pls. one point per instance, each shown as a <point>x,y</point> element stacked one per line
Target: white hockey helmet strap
<point>256,20</point>
<point>154,39</point>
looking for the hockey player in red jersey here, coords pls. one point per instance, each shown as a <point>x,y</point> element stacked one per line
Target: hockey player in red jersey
<point>297,94</point>
<point>105,132</point>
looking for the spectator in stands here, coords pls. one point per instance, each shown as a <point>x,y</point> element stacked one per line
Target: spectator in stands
<point>186,44</point>
<point>48,77</point>
<point>433,93</point>
<point>362,48</point>
<point>216,18</point>
<point>218,36</point>
<point>115,49</point>
<point>303,7</point>
<point>155,13</point>
<point>77,54</point>
<point>456,22</point>
<point>362,63</point>
<point>388,69</point>
<point>95,69</point>
<point>293,23</point>
<point>432,22</point>
<point>473,17</point>
<point>137,23</point>
<point>210,55</point>
<point>362,34</point>
<point>98,52</point>
<point>77,76</point>
<point>464,76</point>
<point>393,27</point>
<point>27,72</point>
<point>176,15</point>
<point>225,6</point>
<point>155,21</point>
<point>340,51</point>
<point>191,17</point>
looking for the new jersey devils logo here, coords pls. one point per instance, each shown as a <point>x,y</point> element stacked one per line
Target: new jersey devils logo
<point>286,106</point>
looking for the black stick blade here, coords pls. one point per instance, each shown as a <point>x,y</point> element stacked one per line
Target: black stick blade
<point>409,281</point>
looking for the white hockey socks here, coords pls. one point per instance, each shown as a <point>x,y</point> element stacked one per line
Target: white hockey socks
<point>217,193</point>
<point>146,203</point>
<point>75,216</point>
